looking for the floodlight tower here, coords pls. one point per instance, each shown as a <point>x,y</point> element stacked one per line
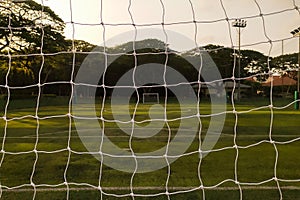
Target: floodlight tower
<point>239,23</point>
<point>296,33</point>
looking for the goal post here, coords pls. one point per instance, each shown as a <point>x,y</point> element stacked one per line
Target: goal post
<point>150,98</point>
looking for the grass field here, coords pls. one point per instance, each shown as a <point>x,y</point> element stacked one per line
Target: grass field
<point>255,164</point>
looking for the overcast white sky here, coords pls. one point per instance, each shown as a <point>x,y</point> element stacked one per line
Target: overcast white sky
<point>211,30</point>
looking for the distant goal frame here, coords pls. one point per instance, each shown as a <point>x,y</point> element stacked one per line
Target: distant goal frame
<point>155,94</point>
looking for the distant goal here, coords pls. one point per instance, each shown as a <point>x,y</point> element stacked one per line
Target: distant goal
<point>150,98</point>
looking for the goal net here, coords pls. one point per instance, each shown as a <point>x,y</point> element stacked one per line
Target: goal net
<point>137,99</point>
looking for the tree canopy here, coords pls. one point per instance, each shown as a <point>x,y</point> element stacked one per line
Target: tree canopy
<point>27,26</point>
<point>28,29</point>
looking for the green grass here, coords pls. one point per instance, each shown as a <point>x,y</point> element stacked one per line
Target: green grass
<point>253,194</point>
<point>254,163</point>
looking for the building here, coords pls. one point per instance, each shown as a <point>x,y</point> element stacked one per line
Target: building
<point>216,88</point>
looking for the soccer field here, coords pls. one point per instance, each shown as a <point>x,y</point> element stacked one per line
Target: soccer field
<point>119,100</point>
<point>254,162</point>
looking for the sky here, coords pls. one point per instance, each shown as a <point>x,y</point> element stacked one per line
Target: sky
<point>279,18</point>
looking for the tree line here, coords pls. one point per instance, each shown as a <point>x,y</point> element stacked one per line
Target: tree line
<point>34,50</point>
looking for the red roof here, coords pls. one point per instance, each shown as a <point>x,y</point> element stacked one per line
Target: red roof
<point>279,81</point>
<point>252,79</point>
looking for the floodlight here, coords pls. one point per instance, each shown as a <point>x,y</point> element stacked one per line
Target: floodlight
<point>239,23</point>
<point>296,33</point>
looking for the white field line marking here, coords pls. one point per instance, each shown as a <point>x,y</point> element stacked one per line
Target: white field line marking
<point>161,136</point>
<point>152,188</point>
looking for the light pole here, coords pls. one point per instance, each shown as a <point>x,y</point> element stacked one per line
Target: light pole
<point>239,23</point>
<point>296,33</point>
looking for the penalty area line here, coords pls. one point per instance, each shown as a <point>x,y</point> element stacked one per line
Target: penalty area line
<point>151,188</point>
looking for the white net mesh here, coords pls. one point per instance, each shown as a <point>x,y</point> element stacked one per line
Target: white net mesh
<point>74,126</point>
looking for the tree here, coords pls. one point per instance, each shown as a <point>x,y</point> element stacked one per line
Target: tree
<point>29,25</point>
<point>30,28</point>
<point>223,58</point>
<point>59,67</point>
<point>285,63</point>
<point>148,51</point>
<point>254,62</point>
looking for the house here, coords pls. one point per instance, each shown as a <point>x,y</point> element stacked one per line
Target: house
<point>277,80</point>
<point>216,89</point>
<point>281,85</point>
